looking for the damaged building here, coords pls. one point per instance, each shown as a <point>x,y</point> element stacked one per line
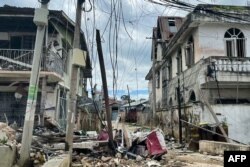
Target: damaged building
<point>17,40</point>
<point>209,56</point>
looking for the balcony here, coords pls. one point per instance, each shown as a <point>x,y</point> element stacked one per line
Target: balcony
<point>232,64</point>
<point>230,70</point>
<point>231,73</point>
<point>19,62</point>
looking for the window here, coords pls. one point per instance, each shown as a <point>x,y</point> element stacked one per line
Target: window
<point>158,79</point>
<point>192,97</point>
<point>170,69</point>
<point>235,43</point>
<point>179,62</point>
<point>171,24</point>
<point>189,55</point>
<point>22,42</point>
<point>4,44</point>
<point>28,42</point>
<point>16,42</point>
<point>164,76</point>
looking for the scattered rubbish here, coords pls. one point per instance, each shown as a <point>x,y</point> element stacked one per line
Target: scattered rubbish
<point>106,159</point>
<point>153,163</point>
<point>6,133</point>
<point>103,135</point>
<point>148,148</point>
<point>156,143</point>
<point>91,134</point>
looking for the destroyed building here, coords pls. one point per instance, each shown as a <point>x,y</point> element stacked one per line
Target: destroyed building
<point>17,40</point>
<point>209,55</point>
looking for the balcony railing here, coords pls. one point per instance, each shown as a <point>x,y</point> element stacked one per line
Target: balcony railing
<point>230,64</point>
<point>227,70</point>
<point>21,60</point>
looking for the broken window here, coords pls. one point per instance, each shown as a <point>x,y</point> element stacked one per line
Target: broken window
<point>179,62</point>
<point>235,43</point>
<point>189,55</point>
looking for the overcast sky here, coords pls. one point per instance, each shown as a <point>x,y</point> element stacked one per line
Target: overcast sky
<point>135,20</point>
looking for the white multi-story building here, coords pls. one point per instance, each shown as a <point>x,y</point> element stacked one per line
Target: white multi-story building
<point>210,56</point>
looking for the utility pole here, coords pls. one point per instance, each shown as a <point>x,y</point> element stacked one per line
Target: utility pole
<point>41,20</point>
<point>179,111</point>
<point>105,87</point>
<point>73,83</point>
<point>153,84</point>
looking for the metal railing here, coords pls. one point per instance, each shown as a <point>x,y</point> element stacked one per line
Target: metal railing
<point>21,60</point>
<point>17,59</point>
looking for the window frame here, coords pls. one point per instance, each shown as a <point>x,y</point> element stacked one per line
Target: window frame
<point>179,62</point>
<point>234,40</point>
<point>189,53</point>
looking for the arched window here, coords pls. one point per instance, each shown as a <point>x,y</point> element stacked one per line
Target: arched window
<point>235,43</point>
<point>170,103</point>
<point>190,52</point>
<point>192,97</point>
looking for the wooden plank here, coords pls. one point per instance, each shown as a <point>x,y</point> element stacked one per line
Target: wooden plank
<point>127,137</point>
<point>214,116</point>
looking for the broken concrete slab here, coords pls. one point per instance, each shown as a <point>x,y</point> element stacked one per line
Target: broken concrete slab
<point>92,134</point>
<point>217,148</point>
<point>60,161</point>
<point>80,145</point>
<point>8,155</point>
<point>106,159</point>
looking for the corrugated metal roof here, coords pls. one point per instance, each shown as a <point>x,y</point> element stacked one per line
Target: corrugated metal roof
<point>136,103</point>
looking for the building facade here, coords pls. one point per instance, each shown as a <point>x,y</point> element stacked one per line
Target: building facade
<point>166,28</point>
<point>209,55</point>
<point>17,40</point>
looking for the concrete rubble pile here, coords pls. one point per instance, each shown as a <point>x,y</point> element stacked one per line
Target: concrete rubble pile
<point>41,147</point>
<point>142,147</point>
<point>8,145</point>
<point>7,134</point>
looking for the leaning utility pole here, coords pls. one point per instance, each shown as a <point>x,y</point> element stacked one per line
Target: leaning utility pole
<point>153,85</point>
<point>41,20</point>
<point>179,111</point>
<point>105,87</point>
<point>73,81</point>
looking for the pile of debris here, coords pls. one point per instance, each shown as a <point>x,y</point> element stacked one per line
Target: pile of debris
<point>7,145</point>
<point>140,148</point>
<point>7,134</point>
<point>90,160</point>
